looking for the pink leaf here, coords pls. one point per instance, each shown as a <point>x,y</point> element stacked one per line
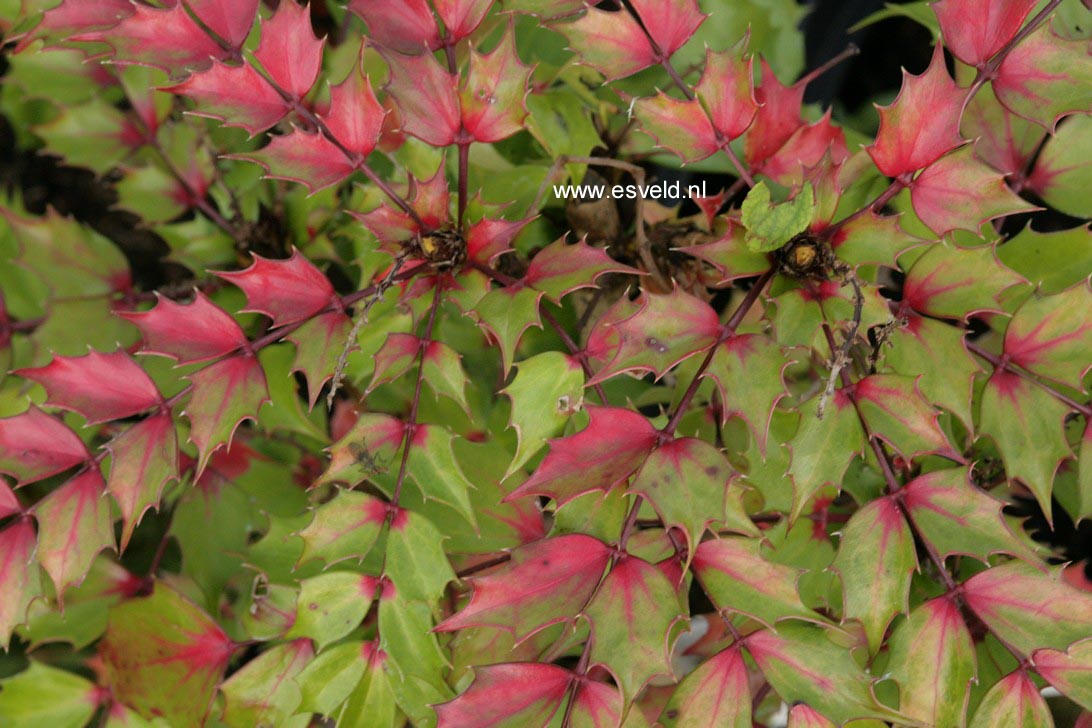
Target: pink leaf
<point>952,282</point>
<point>487,239</point>
<point>1069,671</point>
<point>1051,336</point>
<point>726,90</point>
<point>776,119</point>
<point>974,30</point>
<point>958,192</point>
<point>9,503</point>
<point>318,345</point>
<point>1003,140</point>
<point>406,26</point>
<point>163,38</point>
<point>34,446</point>
<point>511,694</point>
<point>236,95</point>
<point>804,149</point>
<point>289,51</point>
<point>1014,701</point>
<point>427,98</point>
<point>613,445</point>
<point>559,268</point>
<point>74,525</point>
<point>18,576</point>
<point>308,158</point>
<point>189,333</point>
<point>284,290</point>
<point>143,459</point>
<point>1045,77</point>
<point>717,693</point>
<point>922,123</point>
<point>681,127</point>
<point>224,394</point>
<point>355,118</point>
<point>461,17</point>
<point>100,387</point>
<point>72,16</point>
<point>545,582</point>
<point>398,353</point>
<point>493,99</point>
<point>896,412</point>
<point>229,19</point>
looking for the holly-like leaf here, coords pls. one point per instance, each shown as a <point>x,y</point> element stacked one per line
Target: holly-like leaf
<point>545,392</point>
<point>681,127</point>
<point>1051,336</point>
<point>365,451</point>
<point>196,332</point>
<point>286,290</point>
<point>896,412</point>
<point>616,45</point>
<point>1004,141</point>
<point>224,394</point>
<point>163,38</point>
<point>236,95</point>
<point>416,562</point>
<point>264,690</point>
<point>1028,608</point>
<point>433,467</point>
<point>876,558</point>
<point>526,693</point>
<point>144,459</point>
<point>956,517</point>
<point>289,51</point>
<point>19,578</point>
<point>777,117</point>
<point>769,226</point>
<point>344,527</point>
<point>559,269</point>
<point>407,26</point>
<point>331,605</point>
<point>45,695</point>
<point>922,123</point>
<point>162,656</point>
<point>34,446</point>
<point>822,448</point>
<point>603,454</point>
<point>319,343</point>
<point>231,21</point>
<point>953,282</point>
<point>1070,671</point>
<point>308,158</point>
<point>72,16</point>
<point>1026,423</point>
<point>958,192</point>
<point>492,98</point>
<point>1065,166</point>
<point>717,693</point>
<point>735,575</point>
<point>665,330</point>
<point>488,239</point>
<point>631,617</point>
<point>803,663</point>
<point>1045,77</point>
<point>427,98</point>
<point>758,361</point>
<point>355,118</point>
<point>74,525</point>
<point>327,681</point>
<point>726,91</point>
<point>1013,701</point>
<point>804,716</point>
<point>507,313</point>
<point>974,32</point>
<point>544,583</point>
<point>806,149</point>
<point>100,387</point>
<point>933,662</point>
<point>687,481</point>
<point>461,17</point>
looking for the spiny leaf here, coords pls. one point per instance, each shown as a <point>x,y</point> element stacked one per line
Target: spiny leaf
<point>264,690</point>
<point>366,450</point>
<point>407,26</point>
<point>507,313</point>
<point>100,387</point>
<point>921,124</point>
<point>1014,701</point>
<point>758,361</point>
<point>488,239</point>
<point>717,693</point>
<point>492,97</point>
<point>331,605</point>
<point>975,31</point>
<point>777,117</point>
<point>1051,336</point>
<point>461,17</point>
<point>416,562</point>
<point>681,127</point>
<point>1045,77</point>
<point>144,459</point>
<point>545,392</point>
<point>933,662</point>
<point>34,446</point>
<point>896,412</point>
<point>769,226</point>
<point>19,577</point>
<point>509,694</point>
<point>953,282</point>
<point>162,656</point>
<point>544,583</point>
<point>344,527</point>
<point>559,269</point>
<point>308,158</point>
<point>289,51</point>
<point>1028,608</point>
<point>735,575</point>
<point>319,343</point>
<point>726,91</point>
<point>1004,141</point>
<point>805,149</point>
<point>1069,671</point>
<point>187,333</point>
<point>74,525</point>
<point>427,98</point>
<point>956,517</point>
<point>433,467</point>
<point>231,21</point>
<point>1026,423</point>
<point>876,557</point>
<point>803,663</point>
<point>355,118</point>
<point>284,290</point>
<point>416,665</point>
<point>163,38</point>
<point>224,394</point>
<point>603,454</point>
<point>822,448</point>
<point>803,716</point>
<point>327,681</point>
<point>236,95</point>
<point>1064,167</point>
<point>631,617</point>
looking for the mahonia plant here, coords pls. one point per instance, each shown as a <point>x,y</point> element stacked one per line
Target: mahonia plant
<point>393,435</point>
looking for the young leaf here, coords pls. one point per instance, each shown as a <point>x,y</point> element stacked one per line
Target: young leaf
<point>19,578</point>
<point>74,525</point>
<point>236,95</point>
<point>956,517</point>
<point>355,118</point>
<point>734,574</point>
<point>603,454</point>
<point>769,226</point>
<point>511,694</point>
<point>264,691</point>
<point>717,693</point>
<point>492,98</point>
<point>974,32</point>
<point>544,583</point>
<point>726,91</point>
<point>546,390</point>
<point>1028,608</point>
<point>631,618</point>
<point>1045,77</point>
<point>896,412</point>
<point>34,446</point>
<point>196,332</point>
<point>224,394</point>
<point>488,239</point>
<point>231,21</point>
<point>344,527</point>
<point>308,158</point>
<point>1051,336</point>
<point>284,290</point>
<point>407,26</point>
<point>876,558</point>
<point>1014,701</point>
<point>461,17</point>
<point>162,656</point>
<point>1069,671</point>
<point>777,117</point>
<point>100,387</point>
<point>559,269</point>
<point>289,51</point>
<point>162,38</point>
<point>921,124</point>
<point>144,459</point>
<point>681,127</point>
<point>933,662</point>
<point>427,98</point>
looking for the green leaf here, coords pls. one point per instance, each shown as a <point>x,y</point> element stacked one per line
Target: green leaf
<point>952,282</point>
<point>1014,702</point>
<point>1051,336</point>
<point>760,362</point>
<point>822,448</point>
<point>545,392</point>
<point>1069,671</point>
<point>19,576</point>
<point>74,525</point>
<point>332,605</point>
<point>631,616</point>
<point>562,124</point>
<point>1064,167</point>
<point>769,226</point>
<point>1054,261</point>
<point>876,558</point>
<point>91,135</point>
<point>46,696</point>
<point>507,313</point>
<point>367,450</point>
<point>264,691</point>
<point>328,680</point>
<point>895,411</point>
<point>933,662</point>
<point>416,561</point>
<point>372,702</point>
<point>717,693</point>
<point>417,665</point>
<point>433,466</point>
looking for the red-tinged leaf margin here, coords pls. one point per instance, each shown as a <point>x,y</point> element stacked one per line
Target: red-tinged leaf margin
<point>559,269</point>
<point>234,95</point>
<point>528,692</point>
<point>975,31</point>
<point>289,51</point>
<point>188,333</point>
<point>34,446</point>
<point>19,580</point>
<point>286,291</point>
